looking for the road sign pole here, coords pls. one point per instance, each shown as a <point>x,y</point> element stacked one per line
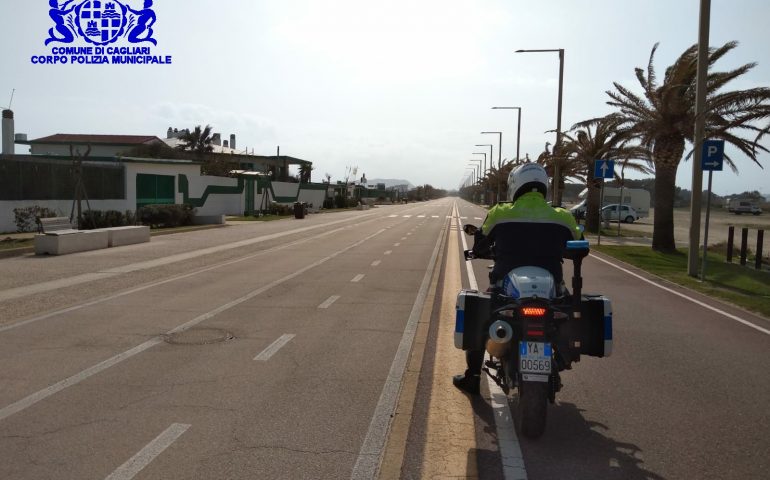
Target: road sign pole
<point>601,220</point>
<point>706,231</point>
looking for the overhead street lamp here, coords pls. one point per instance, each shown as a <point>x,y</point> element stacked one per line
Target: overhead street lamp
<point>518,129</point>
<point>556,147</point>
<point>480,172</point>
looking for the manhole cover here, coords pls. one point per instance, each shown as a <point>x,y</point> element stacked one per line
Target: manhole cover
<point>199,336</point>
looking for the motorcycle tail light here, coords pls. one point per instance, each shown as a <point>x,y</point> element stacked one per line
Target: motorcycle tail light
<point>533,311</point>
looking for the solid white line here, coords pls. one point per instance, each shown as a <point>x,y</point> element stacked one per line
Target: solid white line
<point>135,464</point>
<point>32,399</point>
<point>376,262</point>
<point>358,278</point>
<point>329,301</point>
<point>388,252</point>
<point>265,354</point>
<point>679,294</point>
<point>370,455</point>
<point>507,441</point>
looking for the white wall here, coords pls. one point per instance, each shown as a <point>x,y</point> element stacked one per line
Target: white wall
<point>314,197</point>
<point>285,189</point>
<point>216,204</point>
<point>132,169</point>
<point>62,208</point>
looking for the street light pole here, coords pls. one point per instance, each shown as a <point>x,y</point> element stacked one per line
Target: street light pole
<point>485,164</point>
<point>499,158</point>
<point>556,169</point>
<point>518,129</point>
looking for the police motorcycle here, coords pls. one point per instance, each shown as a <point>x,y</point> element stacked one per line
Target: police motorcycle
<point>532,330</point>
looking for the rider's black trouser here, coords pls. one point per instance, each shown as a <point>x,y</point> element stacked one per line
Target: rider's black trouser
<point>474,359</point>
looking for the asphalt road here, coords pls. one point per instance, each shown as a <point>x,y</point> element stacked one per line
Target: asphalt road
<point>684,394</point>
<point>253,351</point>
<point>274,350</point>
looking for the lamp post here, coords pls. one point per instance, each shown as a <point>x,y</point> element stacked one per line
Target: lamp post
<point>518,129</point>
<point>556,172</point>
<point>499,158</point>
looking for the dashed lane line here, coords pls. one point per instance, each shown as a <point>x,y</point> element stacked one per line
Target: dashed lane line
<point>135,464</point>
<point>268,352</point>
<point>358,278</point>
<point>328,302</point>
<point>376,262</point>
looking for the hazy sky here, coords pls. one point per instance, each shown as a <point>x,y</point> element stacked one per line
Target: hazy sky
<point>399,88</point>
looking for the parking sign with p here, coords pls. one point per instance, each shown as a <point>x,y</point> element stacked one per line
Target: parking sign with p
<point>712,155</point>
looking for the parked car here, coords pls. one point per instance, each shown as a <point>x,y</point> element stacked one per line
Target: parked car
<point>627,213</point>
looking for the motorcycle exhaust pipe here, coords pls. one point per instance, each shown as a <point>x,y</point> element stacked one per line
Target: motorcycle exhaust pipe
<point>500,335</point>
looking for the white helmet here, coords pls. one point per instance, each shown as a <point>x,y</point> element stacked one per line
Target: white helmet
<point>526,178</point>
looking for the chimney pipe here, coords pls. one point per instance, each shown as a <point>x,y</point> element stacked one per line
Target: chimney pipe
<point>224,144</point>
<point>232,141</point>
<point>8,133</point>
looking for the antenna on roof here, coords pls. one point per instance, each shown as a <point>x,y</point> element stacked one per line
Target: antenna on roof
<point>11,102</point>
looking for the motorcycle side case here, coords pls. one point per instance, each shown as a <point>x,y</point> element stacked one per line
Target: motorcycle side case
<point>596,326</point>
<point>472,319</point>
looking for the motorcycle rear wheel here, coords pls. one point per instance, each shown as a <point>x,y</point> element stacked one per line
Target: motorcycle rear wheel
<point>531,409</point>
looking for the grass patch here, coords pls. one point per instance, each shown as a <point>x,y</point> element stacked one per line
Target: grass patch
<point>742,286</point>
<point>9,243</point>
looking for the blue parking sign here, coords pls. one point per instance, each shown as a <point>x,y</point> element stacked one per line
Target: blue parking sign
<point>712,155</point>
<point>604,168</point>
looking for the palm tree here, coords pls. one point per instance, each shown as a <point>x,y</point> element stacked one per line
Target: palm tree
<point>199,140</point>
<point>496,179</point>
<point>663,120</point>
<point>608,140</point>
<point>305,171</point>
<point>567,168</point>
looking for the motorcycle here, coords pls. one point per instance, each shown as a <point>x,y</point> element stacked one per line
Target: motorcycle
<point>532,330</point>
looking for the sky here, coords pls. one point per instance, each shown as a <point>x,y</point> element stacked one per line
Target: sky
<point>397,88</point>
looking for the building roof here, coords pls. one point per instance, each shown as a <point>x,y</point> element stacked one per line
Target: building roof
<point>69,138</point>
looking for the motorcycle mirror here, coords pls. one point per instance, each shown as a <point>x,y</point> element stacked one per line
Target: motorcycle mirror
<point>470,229</point>
<point>582,228</point>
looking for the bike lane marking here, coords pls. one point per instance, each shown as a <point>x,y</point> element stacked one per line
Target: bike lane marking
<point>135,464</point>
<point>508,442</point>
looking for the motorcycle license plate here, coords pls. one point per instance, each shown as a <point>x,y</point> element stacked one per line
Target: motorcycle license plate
<point>535,357</point>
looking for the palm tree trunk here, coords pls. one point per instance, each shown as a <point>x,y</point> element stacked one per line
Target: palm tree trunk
<point>667,154</point>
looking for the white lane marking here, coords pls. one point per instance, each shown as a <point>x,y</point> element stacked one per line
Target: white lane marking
<point>265,354</point>
<point>420,216</point>
<point>328,302</point>
<point>376,262</point>
<point>396,244</point>
<point>478,218</point>
<point>408,233</point>
<point>508,442</point>
<point>682,295</point>
<point>358,278</point>
<point>370,455</point>
<point>32,399</point>
<point>463,218</point>
<point>407,216</point>
<point>388,252</point>
<point>434,216</point>
<point>172,279</point>
<point>135,464</point>
<point>392,216</point>
<point>18,292</point>
<point>403,238</point>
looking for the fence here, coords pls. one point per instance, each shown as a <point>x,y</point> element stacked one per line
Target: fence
<point>744,246</point>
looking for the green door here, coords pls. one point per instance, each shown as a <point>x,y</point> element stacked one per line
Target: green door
<point>154,189</point>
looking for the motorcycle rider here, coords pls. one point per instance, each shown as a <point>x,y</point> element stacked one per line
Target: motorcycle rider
<point>524,231</point>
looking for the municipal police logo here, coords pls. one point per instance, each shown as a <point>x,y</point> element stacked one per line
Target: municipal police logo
<point>100,22</point>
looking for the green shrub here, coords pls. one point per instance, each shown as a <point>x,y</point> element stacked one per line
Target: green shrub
<point>111,218</point>
<point>26,217</point>
<point>281,210</point>
<point>165,215</point>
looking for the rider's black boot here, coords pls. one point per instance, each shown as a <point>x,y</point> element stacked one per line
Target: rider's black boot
<point>467,383</point>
